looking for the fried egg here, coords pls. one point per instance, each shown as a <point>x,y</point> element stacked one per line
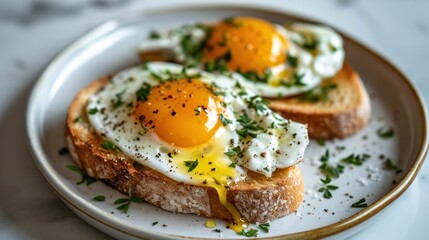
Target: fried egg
<point>193,126</point>
<point>274,60</point>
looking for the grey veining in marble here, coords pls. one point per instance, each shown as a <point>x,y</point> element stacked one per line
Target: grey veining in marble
<point>33,32</point>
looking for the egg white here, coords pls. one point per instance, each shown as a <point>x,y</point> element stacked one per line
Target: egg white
<point>280,143</point>
<point>313,65</point>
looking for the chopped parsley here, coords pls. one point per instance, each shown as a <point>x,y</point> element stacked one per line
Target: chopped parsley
<point>179,75</point>
<point>232,165</point>
<point>231,21</point>
<point>310,41</point>
<point>292,60</point>
<point>110,146</point>
<point>191,165</point>
<point>360,204</point>
<point>217,230</point>
<point>92,111</point>
<point>236,151</point>
<point>63,151</point>
<point>385,132</point>
<point>77,119</point>
<point>225,121</point>
<point>258,103</point>
<point>265,227</point>
<point>84,177</point>
<point>326,189</point>
<point>250,127</point>
<point>220,64</point>
<point>356,159</point>
<point>294,81</point>
<point>255,76</point>
<point>143,92</point>
<point>192,49</point>
<point>118,101</point>
<point>125,202</point>
<point>317,94</point>
<point>321,142</point>
<point>250,233</point>
<point>154,35</point>
<point>99,198</point>
<point>154,223</point>
<point>389,165</point>
<point>329,169</point>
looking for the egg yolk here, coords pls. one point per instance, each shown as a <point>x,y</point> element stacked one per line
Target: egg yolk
<point>183,112</point>
<point>254,44</point>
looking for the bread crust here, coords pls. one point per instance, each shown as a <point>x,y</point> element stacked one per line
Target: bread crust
<point>346,111</point>
<point>257,198</point>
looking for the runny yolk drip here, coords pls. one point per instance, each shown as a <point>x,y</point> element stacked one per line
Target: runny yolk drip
<point>183,113</point>
<point>254,44</point>
<point>213,170</point>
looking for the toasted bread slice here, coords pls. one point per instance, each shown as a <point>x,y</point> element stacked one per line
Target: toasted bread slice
<point>346,110</point>
<point>257,198</point>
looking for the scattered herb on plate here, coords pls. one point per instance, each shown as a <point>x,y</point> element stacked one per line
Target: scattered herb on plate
<point>326,189</point>
<point>360,204</point>
<point>84,177</point>
<point>99,198</point>
<point>385,132</point>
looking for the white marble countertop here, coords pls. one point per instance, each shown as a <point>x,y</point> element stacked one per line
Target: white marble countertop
<point>33,32</point>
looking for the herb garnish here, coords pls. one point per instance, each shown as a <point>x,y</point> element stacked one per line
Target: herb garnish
<point>99,198</point>
<point>321,142</point>
<point>294,81</point>
<point>118,101</point>
<point>265,227</point>
<point>385,132</point>
<point>360,204</point>
<point>249,127</point>
<point>225,121</point>
<point>125,202</point>
<point>154,223</point>
<point>320,93</point>
<point>310,41</point>
<point>85,178</point>
<point>93,111</point>
<point>191,165</point>
<point>255,76</point>
<point>110,146</point>
<point>292,60</point>
<point>217,230</point>
<point>232,165</point>
<point>389,165</point>
<point>154,35</point>
<point>220,64</point>
<point>329,169</point>
<point>258,103</point>
<point>77,119</point>
<point>250,233</point>
<point>356,160</point>
<point>236,151</point>
<point>143,92</point>
<point>326,189</point>
<point>192,49</point>
<point>231,21</point>
<point>63,151</point>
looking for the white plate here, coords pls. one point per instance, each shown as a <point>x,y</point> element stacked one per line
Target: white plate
<point>112,47</point>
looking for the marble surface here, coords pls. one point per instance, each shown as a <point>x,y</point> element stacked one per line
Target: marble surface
<point>33,32</point>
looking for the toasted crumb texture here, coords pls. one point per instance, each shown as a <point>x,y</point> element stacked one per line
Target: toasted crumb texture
<point>346,111</point>
<point>257,198</point>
